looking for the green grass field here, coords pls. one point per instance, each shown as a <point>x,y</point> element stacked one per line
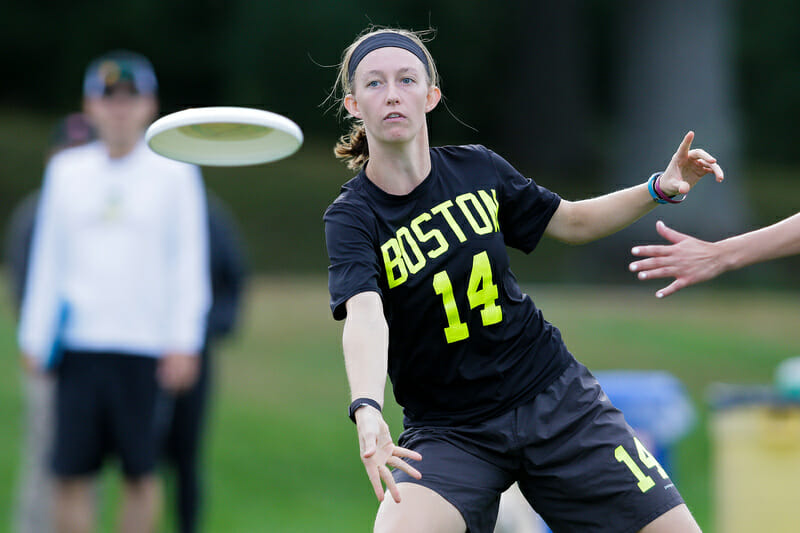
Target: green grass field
<point>282,455</point>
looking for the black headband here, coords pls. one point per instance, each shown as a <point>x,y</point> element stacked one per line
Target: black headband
<point>388,39</point>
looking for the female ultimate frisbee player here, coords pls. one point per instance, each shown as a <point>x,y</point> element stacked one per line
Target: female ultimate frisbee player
<point>419,270</point>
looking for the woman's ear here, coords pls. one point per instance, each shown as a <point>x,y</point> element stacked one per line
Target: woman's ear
<point>434,95</point>
<point>351,105</point>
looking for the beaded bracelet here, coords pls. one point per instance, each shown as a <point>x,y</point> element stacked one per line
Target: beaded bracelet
<point>658,195</point>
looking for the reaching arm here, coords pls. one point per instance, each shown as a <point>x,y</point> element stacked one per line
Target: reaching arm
<point>190,288</point>
<point>588,220</point>
<point>365,341</point>
<point>690,260</point>
<point>43,306</point>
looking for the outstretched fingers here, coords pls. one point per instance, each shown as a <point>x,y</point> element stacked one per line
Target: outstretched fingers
<point>405,452</point>
<point>643,266</point>
<point>719,175</point>
<point>672,288</point>
<point>655,250</point>
<point>706,163</point>
<point>688,166</point>
<point>375,475</point>
<point>659,267</point>
<point>399,464</point>
<point>391,486</point>
<point>688,260</point>
<point>379,475</point>
<point>657,262</point>
<point>378,462</point>
<point>686,143</point>
<point>654,268</point>
<point>699,153</point>
<point>670,234</point>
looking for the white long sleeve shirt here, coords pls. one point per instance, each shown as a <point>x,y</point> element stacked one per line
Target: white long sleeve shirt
<point>119,260</point>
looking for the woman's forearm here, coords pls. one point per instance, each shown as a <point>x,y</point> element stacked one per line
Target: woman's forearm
<point>589,220</point>
<point>365,341</point>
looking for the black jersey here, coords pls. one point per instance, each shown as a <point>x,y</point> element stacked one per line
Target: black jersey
<point>465,343</point>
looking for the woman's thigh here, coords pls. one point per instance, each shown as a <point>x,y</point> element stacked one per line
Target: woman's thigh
<point>466,468</point>
<point>420,510</point>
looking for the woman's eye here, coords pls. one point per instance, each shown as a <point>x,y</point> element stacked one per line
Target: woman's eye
<point>373,83</point>
<point>407,81</point>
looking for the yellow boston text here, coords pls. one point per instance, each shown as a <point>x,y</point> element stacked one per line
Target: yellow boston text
<point>403,255</point>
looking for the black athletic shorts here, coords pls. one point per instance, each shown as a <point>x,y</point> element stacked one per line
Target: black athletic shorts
<point>575,458</point>
<point>107,404</point>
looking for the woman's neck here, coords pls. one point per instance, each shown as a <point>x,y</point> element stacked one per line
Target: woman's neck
<point>399,168</point>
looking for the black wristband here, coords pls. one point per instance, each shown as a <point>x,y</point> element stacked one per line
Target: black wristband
<point>361,402</point>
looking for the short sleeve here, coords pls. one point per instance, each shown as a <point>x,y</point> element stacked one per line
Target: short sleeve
<point>525,208</point>
<point>353,258</point>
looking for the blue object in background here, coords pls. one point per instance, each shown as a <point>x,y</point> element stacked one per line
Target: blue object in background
<point>655,404</point>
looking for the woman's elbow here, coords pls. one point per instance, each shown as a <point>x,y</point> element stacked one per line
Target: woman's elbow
<point>569,227</point>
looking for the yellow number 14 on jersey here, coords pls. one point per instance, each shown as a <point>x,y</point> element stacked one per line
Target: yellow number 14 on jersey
<point>481,291</point>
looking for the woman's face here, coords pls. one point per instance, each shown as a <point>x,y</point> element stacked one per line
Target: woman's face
<point>390,93</point>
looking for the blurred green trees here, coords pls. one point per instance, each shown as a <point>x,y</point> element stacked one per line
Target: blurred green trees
<point>537,81</point>
<point>273,55</point>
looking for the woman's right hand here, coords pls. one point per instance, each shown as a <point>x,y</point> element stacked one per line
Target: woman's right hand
<point>378,452</point>
<point>30,364</point>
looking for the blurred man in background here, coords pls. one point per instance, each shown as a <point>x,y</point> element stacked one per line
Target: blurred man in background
<point>183,444</point>
<point>34,491</point>
<point>117,294</point>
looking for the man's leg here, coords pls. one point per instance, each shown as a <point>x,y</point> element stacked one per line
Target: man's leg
<point>141,504</point>
<point>183,446</point>
<point>74,505</point>
<point>78,444</point>
<point>138,412</point>
<point>33,513</point>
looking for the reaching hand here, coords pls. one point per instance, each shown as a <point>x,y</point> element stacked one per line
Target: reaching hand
<point>688,259</point>
<point>378,452</point>
<point>687,167</point>
<point>30,364</point>
<point>178,372</point>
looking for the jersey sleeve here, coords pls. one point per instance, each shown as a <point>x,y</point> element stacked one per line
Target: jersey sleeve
<point>525,208</point>
<point>353,258</point>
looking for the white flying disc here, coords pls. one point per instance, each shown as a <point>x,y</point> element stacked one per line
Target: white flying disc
<point>224,136</point>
